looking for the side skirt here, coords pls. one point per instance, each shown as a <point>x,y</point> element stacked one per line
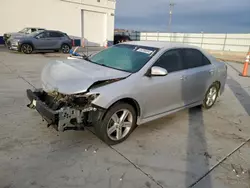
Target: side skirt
<point>152,118</point>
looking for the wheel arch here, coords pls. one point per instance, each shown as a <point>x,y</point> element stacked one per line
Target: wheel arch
<point>65,43</point>
<point>218,84</point>
<point>130,101</point>
<point>28,42</point>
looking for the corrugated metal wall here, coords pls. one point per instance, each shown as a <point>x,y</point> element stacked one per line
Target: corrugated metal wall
<point>223,42</point>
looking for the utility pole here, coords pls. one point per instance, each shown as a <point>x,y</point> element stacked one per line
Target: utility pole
<point>171,6</point>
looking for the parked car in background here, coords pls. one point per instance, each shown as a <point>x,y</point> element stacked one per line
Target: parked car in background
<point>23,32</point>
<point>41,40</point>
<point>119,38</point>
<point>127,85</point>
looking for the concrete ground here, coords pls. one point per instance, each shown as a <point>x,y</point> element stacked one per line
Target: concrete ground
<point>192,148</point>
<point>239,57</point>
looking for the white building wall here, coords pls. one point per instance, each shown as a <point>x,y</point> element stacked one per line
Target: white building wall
<point>64,15</point>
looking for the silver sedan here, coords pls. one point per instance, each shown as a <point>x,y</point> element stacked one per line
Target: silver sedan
<point>127,85</point>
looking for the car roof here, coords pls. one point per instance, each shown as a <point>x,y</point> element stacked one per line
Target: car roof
<point>34,28</point>
<point>53,31</point>
<point>161,44</point>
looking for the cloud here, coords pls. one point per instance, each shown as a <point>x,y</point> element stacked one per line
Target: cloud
<point>188,15</point>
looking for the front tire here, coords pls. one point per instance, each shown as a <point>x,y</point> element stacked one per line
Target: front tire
<point>26,48</point>
<point>65,48</point>
<point>117,124</point>
<point>211,96</point>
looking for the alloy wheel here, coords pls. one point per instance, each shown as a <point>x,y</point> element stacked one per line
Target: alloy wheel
<point>26,48</point>
<point>65,49</point>
<point>119,124</point>
<point>211,96</point>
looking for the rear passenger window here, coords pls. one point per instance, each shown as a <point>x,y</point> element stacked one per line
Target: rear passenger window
<point>206,61</point>
<point>171,61</point>
<point>55,34</point>
<point>194,58</point>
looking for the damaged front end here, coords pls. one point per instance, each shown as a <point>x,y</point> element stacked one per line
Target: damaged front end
<point>65,112</point>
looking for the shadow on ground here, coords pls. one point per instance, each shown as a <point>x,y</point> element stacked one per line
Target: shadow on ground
<point>241,94</point>
<point>197,154</point>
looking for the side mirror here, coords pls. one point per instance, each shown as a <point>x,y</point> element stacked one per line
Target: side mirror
<point>158,71</point>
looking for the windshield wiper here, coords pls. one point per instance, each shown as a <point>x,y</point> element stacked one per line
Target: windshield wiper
<point>87,59</point>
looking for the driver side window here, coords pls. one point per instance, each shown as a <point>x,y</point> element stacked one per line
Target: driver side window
<point>170,60</point>
<point>42,35</point>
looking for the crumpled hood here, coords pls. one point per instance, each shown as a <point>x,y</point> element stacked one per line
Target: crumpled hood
<point>75,76</point>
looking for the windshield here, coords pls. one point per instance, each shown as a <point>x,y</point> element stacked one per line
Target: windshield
<point>129,58</point>
<point>25,30</point>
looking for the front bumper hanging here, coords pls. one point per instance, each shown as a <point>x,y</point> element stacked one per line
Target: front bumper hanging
<point>61,119</point>
<point>51,116</point>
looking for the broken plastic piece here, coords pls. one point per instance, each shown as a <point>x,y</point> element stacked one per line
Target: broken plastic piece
<point>88,148</point>
<point>121,178</point>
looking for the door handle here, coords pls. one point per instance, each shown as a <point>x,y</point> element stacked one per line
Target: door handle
<point>211,71</point>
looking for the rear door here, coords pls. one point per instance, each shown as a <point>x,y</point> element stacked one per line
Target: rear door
<point>55,39</point>
<point>198,75</point>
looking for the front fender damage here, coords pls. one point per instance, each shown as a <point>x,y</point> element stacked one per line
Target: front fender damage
<point>69,111</point>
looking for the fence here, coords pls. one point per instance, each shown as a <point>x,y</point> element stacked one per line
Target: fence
<point>222,42</point>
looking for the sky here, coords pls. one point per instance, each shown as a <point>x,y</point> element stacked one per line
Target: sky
<point>214,16</point>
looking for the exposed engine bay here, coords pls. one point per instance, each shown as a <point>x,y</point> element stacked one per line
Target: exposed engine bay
<point>65,112</point>
<point>68,91</point>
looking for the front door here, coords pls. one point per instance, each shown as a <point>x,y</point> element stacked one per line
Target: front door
<point>164,93</point>
<point>42,41</point>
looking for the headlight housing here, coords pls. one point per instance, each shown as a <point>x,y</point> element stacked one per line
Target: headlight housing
<point>92,96</point>
<point>85,98</point>
<point>89,96</point>
<point>15,42</point>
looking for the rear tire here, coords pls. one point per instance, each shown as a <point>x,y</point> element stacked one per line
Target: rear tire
<point>65,48</point>
<point>211,96</point>
<point>117,124</point>
<point>26,48</point>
